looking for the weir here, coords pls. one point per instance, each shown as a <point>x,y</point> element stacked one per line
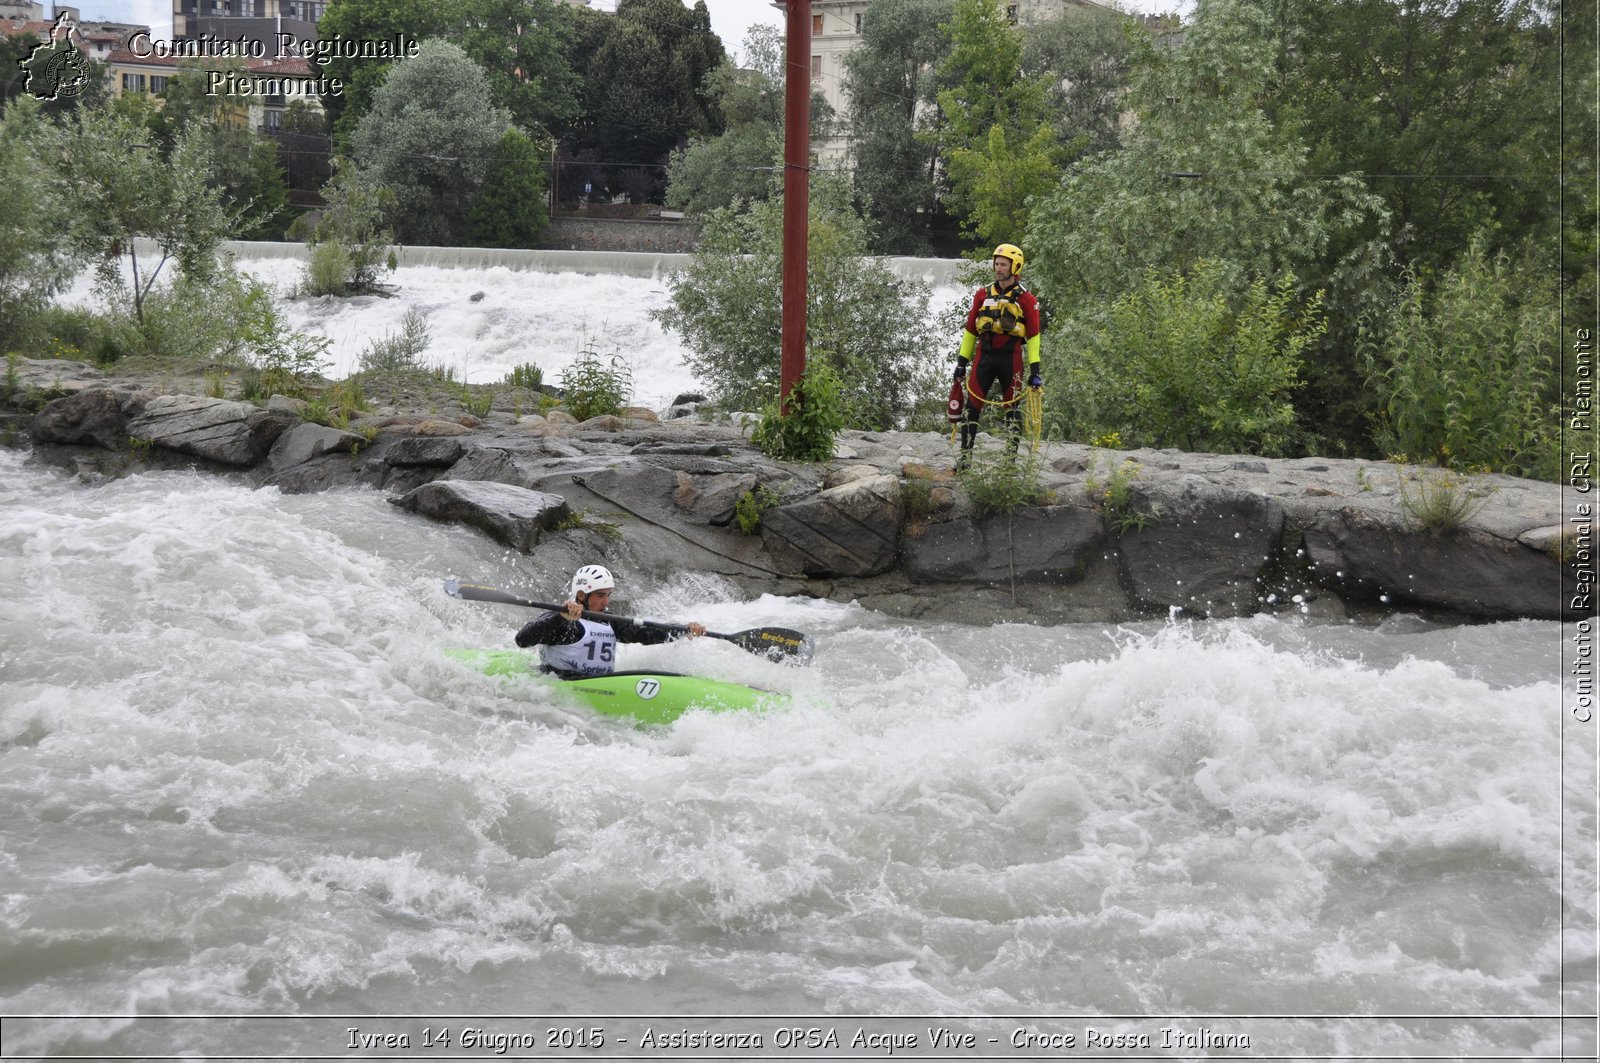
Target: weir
<point>935,271</point>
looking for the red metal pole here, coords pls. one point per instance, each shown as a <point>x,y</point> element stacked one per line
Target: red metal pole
<point>796,196</point>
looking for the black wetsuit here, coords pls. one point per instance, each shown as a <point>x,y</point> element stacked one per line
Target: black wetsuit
<point>553,629</point>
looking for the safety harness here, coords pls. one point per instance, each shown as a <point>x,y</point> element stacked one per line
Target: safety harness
<point>1000,317</point>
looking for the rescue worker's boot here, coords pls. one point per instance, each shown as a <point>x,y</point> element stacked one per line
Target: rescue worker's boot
<point>969,437</point>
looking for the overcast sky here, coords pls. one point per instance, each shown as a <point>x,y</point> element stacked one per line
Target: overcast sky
<point>729,18</point>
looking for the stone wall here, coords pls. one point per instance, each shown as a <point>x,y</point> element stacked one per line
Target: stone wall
<point>612,234</point>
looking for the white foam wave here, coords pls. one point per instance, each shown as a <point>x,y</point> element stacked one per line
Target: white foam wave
<point>237,773</point>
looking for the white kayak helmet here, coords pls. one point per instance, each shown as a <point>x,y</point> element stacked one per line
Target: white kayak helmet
<point>591,578</point>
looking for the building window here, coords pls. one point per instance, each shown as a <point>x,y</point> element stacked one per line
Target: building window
<point>132,82</point>
<point>858,21</point>
<point>1011,14</point>
<point>158,84</point>
<point>816,23</point>
<point>816,68</point>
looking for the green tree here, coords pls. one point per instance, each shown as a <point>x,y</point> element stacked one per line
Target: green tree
<point>350,243</point>
<point>744,161</point>
<point>430,139</point>
<point>1580,86</point>
<point>522,45</point>
<point>1202,174</point>
<point>865,324</point>
<point>117,188</point>
<point>1085,57</point>
<point>34,265</point>
<point>1466,370</point>
<point>14,51</point>
<point>510,210</point>
<point>244,164</point>
<point>996,138</point>
<point>1205,174</point>
<point>1449,108</point>
<point>891,82</point>
<point>644,90</point>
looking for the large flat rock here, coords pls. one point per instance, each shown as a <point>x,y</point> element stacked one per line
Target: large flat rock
<point>509,514</point>
<point>220,430</point>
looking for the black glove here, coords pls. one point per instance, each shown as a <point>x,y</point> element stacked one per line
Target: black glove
<point>961,370</point>
<point>1036,381</point>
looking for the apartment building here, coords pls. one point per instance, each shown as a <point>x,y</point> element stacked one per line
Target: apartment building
<point>836,32</point>
<point>255,20</point>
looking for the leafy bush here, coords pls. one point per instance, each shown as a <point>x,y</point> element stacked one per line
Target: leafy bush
<point>816,415</point>
<point>280,360</point>
<point>328,270</point>
<point>592,386</point>
<point>1003,484</point>
<point>1467,373</point>
<point>747,512</point>
<point>479,402</point>
<point>350,245</point>
<point>69,332</point>
<point>1179,361</point>
<point>865,324</point>
<point>192,320</point>
<point>398,352</point>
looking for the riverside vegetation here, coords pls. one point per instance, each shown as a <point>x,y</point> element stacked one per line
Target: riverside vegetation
<point>1224,276</point>
<point>1100,535</point>
<point>1246,253</point>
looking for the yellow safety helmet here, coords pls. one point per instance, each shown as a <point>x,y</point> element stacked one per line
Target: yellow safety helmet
<point>1014,253</point>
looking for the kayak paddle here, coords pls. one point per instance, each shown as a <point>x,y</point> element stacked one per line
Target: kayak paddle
<point>771,642</point>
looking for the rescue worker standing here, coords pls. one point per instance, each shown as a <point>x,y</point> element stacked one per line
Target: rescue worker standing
<point>1000,343</point>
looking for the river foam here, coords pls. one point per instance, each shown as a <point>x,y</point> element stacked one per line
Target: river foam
<point>238,777</point>
<point>483,323</point>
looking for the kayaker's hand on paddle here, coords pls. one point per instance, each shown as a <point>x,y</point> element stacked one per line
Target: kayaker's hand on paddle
<point>695,630</point>
<point>774,643</point>
<point>572,610</point>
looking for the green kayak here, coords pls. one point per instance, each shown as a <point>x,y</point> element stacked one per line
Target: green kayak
<point>648,697</point>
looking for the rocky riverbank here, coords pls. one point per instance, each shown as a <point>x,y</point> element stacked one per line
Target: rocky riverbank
<point>1125,534</point>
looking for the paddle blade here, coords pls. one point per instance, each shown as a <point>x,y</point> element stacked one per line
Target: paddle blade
<point>774,643</point>
<point>477,592</point>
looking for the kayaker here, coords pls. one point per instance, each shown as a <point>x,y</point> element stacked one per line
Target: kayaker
<point>1000,342</point>
<point>570,645</point>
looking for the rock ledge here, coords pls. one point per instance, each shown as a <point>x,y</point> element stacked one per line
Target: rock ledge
<point>1209,535</point>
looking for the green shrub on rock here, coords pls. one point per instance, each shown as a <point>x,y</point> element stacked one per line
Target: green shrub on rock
<point>816,415</point>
